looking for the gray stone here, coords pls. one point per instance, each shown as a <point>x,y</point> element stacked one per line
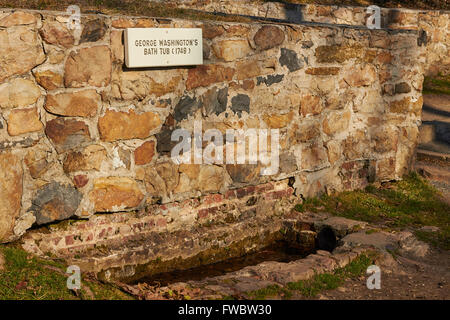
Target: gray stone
<point>240,103</point>
<point>270,79</point>
<point>402,87</point>
<point>289,59</point>
<point>164,143</point>
<point>186,107</point>
<point>341,226</point>
<point>55,202</point>
<point>288,163</point>
<point>93,31</point>
<point>380,240</point>
<point>215,100</point>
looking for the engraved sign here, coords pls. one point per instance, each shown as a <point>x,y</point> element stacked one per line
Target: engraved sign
<point>163,47</point>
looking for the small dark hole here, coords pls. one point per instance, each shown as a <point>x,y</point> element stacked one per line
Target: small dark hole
<point>326,240</point>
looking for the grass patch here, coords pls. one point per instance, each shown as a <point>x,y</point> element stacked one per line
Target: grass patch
<point>411,203</point>
<point>439,84</point>
<point>26,277</point>
<point>320,282</point>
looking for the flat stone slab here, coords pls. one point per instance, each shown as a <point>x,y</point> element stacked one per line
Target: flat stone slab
<point>341,226</point>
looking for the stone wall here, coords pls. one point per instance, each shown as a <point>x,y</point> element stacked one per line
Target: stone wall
<point>81,135</point>
<point>434,23</point>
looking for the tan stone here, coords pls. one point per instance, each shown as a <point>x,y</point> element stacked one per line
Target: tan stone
<point>336,122</point>
<point>18,93</point>
<point>17,18</point>
<point>211,31</point>
<point>112,194</point>
<point>204,75</point>
<point>310,104</point>
<point>238,31</point>
<point>268,37</point>
<point>49,80</point>
<point>355,145</point>
<point>385,169</point>
<point>306,131</point>
<point>22,121</point>
<point>88,66</point>
<point>210,178</point>
<point>117,47</point>
<point>313,156</point>
<point>91,158</point>
<point>144,153</point>
<point>358,76</point>
<point>338,53</point>
<point>323,71</point>
<point>334,151</point>
<point>10,193</point>
<point>277,121</point>
<point>251,68</point>
<point>56,33</point>
<point>127,125</point>
<point>386,139</point>
<point>230,50</point>
<point>74,104</point>
<point>400,106</point>
<point>22,40</point>
<point>123,23</point>
<point>36,161</point>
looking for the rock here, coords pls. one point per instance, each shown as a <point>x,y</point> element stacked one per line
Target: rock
<point>67,134</point>
<point>313,156</point>
<point>210,178</point>
<point>290,59</point>
<point>379,240</point>
<point>49,80</point>
<point>275,121</point>
<point>210,31</point>
<point>336,122</point>
<point>355,145</point>
<point>36,161</point>
<point>186,107</point>
<point>80,180</point>
<point>360,75</point>
<point>93,31</point>
<point>91,158</point>
<point>409,245</point>
<point>164,140</point>
<point>239,103</point>
<point>270,79</point>
<point>22,121</point>
<point>230,50</point>
<point>400,106</point>
<point>55,202</point>
<point>144,154</point>
<point>288,162</point>
<point>2,262</point>
<point>323,71</point>
<point>386,139</point>
<point>338,53</point>
<point>22,39</point>
<point>340,226</point>
<point>11,175</point>
<point>244,173</point>
<point>18,93</point>
<point>215,100</point>
<point>306,131</point>
<point>402,87</point>
<point>204,75</point>
<point>88,67</point>
<point>17,18</point>
<point>310,104</point>
<point>430,229</point>
<point>127,125</point>
<point>56,33</point>
<point>112,194</point>
<point>334,151</point>
<point>117,46</point>
<point>385,169</point>
<point>123,23</point>
<point>268,37</point>
<point>74,104</point>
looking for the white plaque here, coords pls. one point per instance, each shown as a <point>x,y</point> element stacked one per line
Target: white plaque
<point>162,47</point>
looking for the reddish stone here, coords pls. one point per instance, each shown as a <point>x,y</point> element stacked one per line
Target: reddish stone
<point>204,75</point>
<point>80,180</point>
<point>144,154</point>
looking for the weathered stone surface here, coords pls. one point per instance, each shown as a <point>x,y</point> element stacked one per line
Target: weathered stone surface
<point>144,153</point>
<point>80,180</point>
<point>270,79</point>
<point>186,107</point>
<point>17,18</point>
<point>386,139</point>
<point>244,173</point>
<point>358,76</point>
<point>93,31</point>
<point>56,33</point>
<point>127,125</point>
<point>210,31</point>
<point>310,104</point>
<point>334,151</point>
<point>115,194</point>
<point>117,47</point>
<point>338,53</point>
<point>400,106</point>
<point>323,71</point>
<point>22,121</point>
<point>355,145</point>
<point>161,179</point>
<point>290,59</point>
<point>67,134</point>
<point>91,158</point>
<point>268,37</point>
<point>215,100</point>
<point>49,80</point>
<point>230,50</point>
<point>54,202</point>
<point>204,75</point>
<point>277,121</point>
<point>21,40</point>
<point>239,103</point>
<point>10,193</point>
<point>336,122</point>
<point>306,131</point>
<point>313,156</point>
<point>18,93</point>
<point>402,87</point>
<point>88,66</point>
<point>74,104</point>
<point>36,161</point>
<point>210,178</point>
